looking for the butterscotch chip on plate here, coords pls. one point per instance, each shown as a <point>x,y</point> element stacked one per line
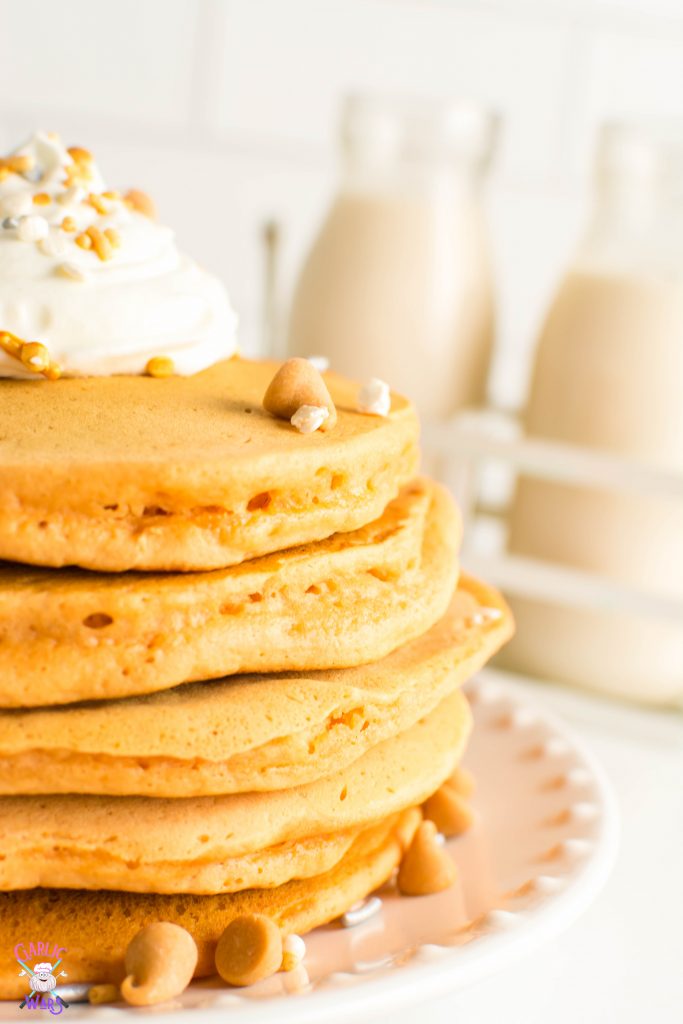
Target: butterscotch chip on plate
<point>96,927</point>
<point>426,867</point>
<point>229,843</point>
<point>249,950</point>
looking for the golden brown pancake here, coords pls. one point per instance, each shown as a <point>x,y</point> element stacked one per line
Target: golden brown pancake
<point>95,927</point>
<point>228,843</point>
<point>117,473</point>
<point>69,634</point>
<point>259,732</point>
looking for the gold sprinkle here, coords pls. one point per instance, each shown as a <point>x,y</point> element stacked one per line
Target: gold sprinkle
<point>113,237</point>
<point>15,165</point>
<point>42,199</point>
<point>32,354</point>
<point>160,366</point>
<point>68,224</point>
<point>111,194</point>
<point>35,356</point>
<point>84,240</point>
<point>97,203</point>
<point>79,155</point>
<point>140,201</point>
<point>100,243</point>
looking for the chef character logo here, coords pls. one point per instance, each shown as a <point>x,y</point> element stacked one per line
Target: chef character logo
<point>42,979</point>
<point>42,976</point>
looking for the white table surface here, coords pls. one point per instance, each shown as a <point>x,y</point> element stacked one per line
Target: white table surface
<point>622,962</point>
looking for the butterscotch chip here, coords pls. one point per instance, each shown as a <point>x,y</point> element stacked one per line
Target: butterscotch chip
<point>449,811</point>
<point>160,961</point>
<point>297,383</point>
<point>249,950</point>
<point>426,867</point>
<point>99,994</point>
<point>462,781</point>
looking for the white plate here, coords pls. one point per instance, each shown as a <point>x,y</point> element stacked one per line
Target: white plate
<point>541,849</point>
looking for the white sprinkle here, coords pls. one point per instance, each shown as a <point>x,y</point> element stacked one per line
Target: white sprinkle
<point>18,204</point>
<point>295,946</point>
<point>72,271</point>
<point>440,839</point>
<point>375,398</point>
<point>53,245</point>
<point>309,418</point>
<point>321,363</point>
<point>71,196</point>
<point>361,912</point>
<point>33,228</point>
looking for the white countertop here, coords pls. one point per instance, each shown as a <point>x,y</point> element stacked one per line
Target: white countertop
<point>622,962</point>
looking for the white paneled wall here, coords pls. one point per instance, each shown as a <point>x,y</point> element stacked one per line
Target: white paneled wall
<point>226,111</point>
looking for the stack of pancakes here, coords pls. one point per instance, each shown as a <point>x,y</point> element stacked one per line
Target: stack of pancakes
<point>229,663</point>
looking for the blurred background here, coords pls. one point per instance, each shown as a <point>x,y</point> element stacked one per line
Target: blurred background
<point>481,203</point>
<point>227,112</point>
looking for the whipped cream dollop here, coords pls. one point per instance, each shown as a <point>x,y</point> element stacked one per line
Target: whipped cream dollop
<point>96,281</point>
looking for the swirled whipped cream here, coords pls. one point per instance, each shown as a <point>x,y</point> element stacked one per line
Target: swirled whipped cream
<point>90,283</point>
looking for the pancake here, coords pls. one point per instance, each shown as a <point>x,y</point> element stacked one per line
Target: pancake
<point>260,732</point>
<point>95,927</point>
<point>73,635</point>
<point>181,473</point>
<point>223,844</point>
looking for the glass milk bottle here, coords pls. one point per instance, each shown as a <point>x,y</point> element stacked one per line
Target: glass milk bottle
<point>609,375</point>
<point>398,284</point>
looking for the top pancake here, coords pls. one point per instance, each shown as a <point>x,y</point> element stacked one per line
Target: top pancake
<point>117,473</point>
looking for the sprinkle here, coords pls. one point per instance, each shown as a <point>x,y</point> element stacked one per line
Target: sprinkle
<point>111,194</point>
<point>84,240</point>
<point>140,201</point>
<point>100,243</point>
<point>68,224</point>
<point>42,199</point>
<point>19,164</point>
<point>72,271</point>
<point>97,203</point>
<point>18,204</point>
<point>321,363</point>
<point>160,366</point>
<point>9,223</point>
<point>53,245</point>
<point>361,912</point>
<point>33,228</point>
<point>113,237</point>
<point>374,398</point>
<point>293,952</point>
<point>80,171</point>
<point>71,196</point>
<point>79,155</point>
<point>32,354</point>
<point>309,418</point>
<point>35,356</point>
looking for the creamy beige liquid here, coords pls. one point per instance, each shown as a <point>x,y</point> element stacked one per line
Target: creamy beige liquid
<point>397,288</point>
<point>608,375</point>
